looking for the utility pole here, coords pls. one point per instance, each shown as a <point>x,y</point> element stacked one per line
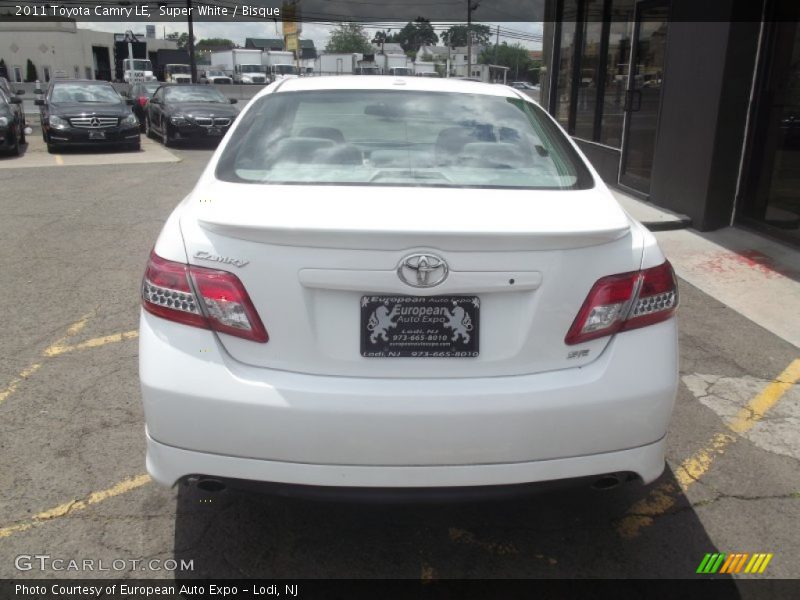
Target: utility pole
<point>192,65</point>
<point>497,45</point>
<point>470,7</point>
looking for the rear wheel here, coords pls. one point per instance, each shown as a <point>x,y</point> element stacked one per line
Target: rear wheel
<point>22,134</point>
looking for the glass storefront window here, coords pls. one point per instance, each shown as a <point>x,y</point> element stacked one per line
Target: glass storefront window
<point>773,197</point>
<point>602,63</point>
<point>566,57</point>
<point>617,57</point>
<point>592,29</point>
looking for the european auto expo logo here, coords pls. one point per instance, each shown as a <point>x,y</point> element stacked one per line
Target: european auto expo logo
<point>734,563</point>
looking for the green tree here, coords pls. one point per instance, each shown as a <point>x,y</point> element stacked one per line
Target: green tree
<point>516,57</point>
<point>457,35</point>
<point>416,34</point>
<point>3,69</point>
<point>349,37</point>
<point>214,43</point>
<point>30,72</point>
<point>182,39</point>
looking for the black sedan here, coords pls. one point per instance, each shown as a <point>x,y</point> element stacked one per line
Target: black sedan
<point>140,94</point>
<point>188,112</point>
<point>86,113</point>
<point>6,87</point>
<point>12,129</point>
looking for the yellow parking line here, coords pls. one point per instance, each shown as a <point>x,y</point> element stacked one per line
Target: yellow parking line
<point>72,506</point>
<point>754,411</point>
<point>663,497</point>
<point>59,160</point>
<point>56,349</point>
<point>72,330</point>
<point>12,387</point>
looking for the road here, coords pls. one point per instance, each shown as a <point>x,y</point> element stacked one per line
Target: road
<point>74,237</point>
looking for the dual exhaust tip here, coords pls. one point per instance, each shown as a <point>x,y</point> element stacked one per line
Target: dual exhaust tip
<point>207,484</point>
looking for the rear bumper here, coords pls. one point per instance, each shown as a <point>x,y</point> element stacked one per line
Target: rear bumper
<point>210,415</point>
<point>168,465</point>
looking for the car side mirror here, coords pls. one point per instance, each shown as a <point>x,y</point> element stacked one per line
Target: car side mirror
<point>234,100</point>
<point>15,100</point>
<point>39,102</point>
<point>129,101</point>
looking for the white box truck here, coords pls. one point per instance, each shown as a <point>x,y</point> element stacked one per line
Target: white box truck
<point>279,64</point>
<point>396,64</point>
<point>334,64</point>
<point>425,69</point>
<point>243,64</point>
<point>364,64</point>
<point>137,70</point>
<point>177,73</point>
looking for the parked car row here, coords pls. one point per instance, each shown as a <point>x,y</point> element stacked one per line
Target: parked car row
<point>86,113</point>
<point>12,120</point>
<point>188,112</point>
<point>5,85</point>
<point>93,113</point>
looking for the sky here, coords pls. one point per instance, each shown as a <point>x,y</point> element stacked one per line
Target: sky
<point>237,32</point>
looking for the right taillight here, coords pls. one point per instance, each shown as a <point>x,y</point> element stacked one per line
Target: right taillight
<point>200,297</point>
<point>626,301</point>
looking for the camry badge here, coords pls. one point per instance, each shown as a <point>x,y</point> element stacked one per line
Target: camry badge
<point>236,262</point>
<point>422,270</point>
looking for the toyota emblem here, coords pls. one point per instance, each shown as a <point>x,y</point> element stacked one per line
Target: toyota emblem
<point>422,270</point>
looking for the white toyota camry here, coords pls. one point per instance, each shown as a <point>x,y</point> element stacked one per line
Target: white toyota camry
<point>384,282</point>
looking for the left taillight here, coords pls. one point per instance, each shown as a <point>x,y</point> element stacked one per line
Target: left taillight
<point>624,302</point>
<point>200,297</point>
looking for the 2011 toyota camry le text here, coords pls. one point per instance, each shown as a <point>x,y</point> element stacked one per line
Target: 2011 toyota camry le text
<point>385,282</point>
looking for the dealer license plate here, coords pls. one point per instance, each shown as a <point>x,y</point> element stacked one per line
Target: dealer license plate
<point>419,327</point>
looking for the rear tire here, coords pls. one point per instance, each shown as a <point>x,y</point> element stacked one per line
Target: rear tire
<point>22,139</point>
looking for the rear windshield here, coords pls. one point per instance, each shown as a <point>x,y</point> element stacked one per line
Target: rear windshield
<point>395,137</point>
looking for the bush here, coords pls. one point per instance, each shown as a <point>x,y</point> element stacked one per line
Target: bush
<point>31,74</point>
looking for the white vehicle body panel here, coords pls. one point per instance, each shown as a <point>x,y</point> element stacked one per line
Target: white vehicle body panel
<point>307,408</point>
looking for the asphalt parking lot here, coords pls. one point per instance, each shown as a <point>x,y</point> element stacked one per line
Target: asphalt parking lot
<point>75,232</point>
